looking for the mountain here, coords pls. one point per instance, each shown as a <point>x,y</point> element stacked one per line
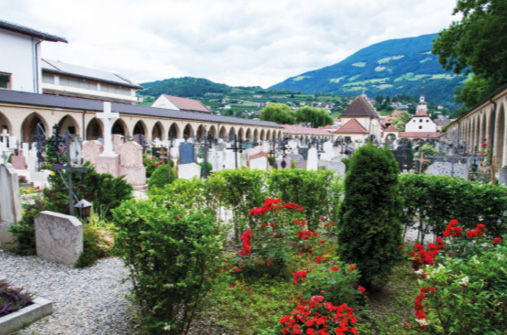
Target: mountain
<point>398,66</point>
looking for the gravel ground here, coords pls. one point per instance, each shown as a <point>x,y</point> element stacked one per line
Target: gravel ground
<point>85,301</point>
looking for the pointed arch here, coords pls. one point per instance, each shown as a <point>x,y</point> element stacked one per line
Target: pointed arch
<point>240,134</point>
<point>268,135</point>
<point>120,128</point>
<point>174,132</point>
<point>262,135</point>
<point>201,133</point>
<point>255,134</point>
<point>140,128</point>
<point>248,136</point>
<point>157,131</point>
<point>5,124</point>
<point>232,133</point>
<point>212,131</point>
<point>222,133</point>
<point>188,131</point>
<point>484,135</point>
<point>29,126</point>
<point>94,129</point>
<point>68,123</point>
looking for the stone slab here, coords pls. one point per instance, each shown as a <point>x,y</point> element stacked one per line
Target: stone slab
<point>189,171</point>
<point>13,321</point>
<point>7,239</point>
<point>58,237</point>
<point>10,202</point>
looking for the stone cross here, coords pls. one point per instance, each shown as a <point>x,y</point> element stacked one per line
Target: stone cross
<point>69,169</point>
<point>421,161</point>
<point>4,137</point>
<point>107,117</point>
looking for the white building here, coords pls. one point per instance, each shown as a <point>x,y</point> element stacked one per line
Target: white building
<point>421,122</point>
<point>182,104</point>
<point>365,114</point>
<point>20,67</point>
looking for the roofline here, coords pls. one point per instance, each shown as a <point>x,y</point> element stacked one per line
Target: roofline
<point>44,100</point>
<point>44,69</point>
<point>30,32</point>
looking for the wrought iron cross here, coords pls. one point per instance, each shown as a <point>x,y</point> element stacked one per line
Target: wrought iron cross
<point>40,138</point>
<point>69,169</point>
<point>236,146</point>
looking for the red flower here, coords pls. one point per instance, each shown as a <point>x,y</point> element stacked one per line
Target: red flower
<point>316,299</point>
<point>335,268</point>
<point>319,258</point>
<point>362,289</point>
<point>497,240</point>
<point>352,267</point>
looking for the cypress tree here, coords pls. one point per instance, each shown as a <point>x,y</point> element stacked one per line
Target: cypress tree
<point>370,230</point>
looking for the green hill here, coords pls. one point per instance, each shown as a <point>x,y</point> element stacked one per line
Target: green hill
<point>398,66</point>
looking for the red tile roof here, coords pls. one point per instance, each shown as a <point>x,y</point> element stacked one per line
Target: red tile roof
<point>186,104</point>
<point>299,130</point>
<point>415,134</point>
<point>391,129</point>
<point>421,112</point>
<point>361,106</point>
<point>351,127</point>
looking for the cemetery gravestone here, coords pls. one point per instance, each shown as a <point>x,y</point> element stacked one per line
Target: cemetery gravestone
<point>258,161</point>
<point>58,237</point>
<point>313,160</point>
<point>131,165</point>
<point>19,162</point>
<point>10,204</point>
<point>187,154</point>
<point>189,171</point>
<point>337,167</point>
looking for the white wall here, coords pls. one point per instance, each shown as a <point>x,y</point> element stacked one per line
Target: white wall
<point>16,58</point>
<point>163,102</point>
<point>426,124</point>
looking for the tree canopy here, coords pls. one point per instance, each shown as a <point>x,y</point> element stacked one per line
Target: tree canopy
<point>278,112</point>
<point>401,120</point>
<point>476,44</point>
<point>314,117</point>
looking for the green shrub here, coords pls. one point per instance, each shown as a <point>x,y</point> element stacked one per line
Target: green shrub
<point>172,254</point>
<point>24,231</point>
<point>94,246</point>
<point>150,163</point>
<point>313,190</point>
<point>369,232</point>
<point>160,176</point>
<point>209,167</point>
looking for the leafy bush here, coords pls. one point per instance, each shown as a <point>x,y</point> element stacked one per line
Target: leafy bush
<point>160,176</point>
<point>172,256</point>
<point>96,245</point>
<point>313,190</point>
<point>432,201</point>
<point>464,290</point>
<point>369,232</point>
<point>11,299</point>
<point>24,231</point>
<point>150,163</point>
<point>209,167</point>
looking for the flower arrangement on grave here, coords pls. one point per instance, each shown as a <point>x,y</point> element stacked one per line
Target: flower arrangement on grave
<point>12,299</point>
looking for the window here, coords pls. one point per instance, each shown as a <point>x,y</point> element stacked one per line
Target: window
<point>427,120</point>
<point>48,78</point>
<point>420,127</point>
<point>420,120</point>
<point>5,80</point>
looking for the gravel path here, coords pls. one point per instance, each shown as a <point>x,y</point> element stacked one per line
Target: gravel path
<point>85,301</point>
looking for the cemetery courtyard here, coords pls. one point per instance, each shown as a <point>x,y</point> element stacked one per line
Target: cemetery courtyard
<point>307,240</point>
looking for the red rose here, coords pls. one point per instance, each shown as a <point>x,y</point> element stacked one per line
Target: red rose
<point>497,240</point>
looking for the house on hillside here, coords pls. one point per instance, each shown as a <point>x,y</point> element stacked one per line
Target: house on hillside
<point>361,120</point>
<point>179,103</point>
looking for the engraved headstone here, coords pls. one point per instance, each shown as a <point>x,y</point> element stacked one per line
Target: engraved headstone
<point>131,165</point>
<point>19,161</point>
<point>187,153</point>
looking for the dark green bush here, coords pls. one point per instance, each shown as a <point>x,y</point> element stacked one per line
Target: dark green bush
<point>94,247</point>
<point>172,256</point>
<point>369,232</point>
<point>25,229</point>
<point>313,190</point>
<point>160,176</point>
<point>432,201</point>
<point>150,163</point>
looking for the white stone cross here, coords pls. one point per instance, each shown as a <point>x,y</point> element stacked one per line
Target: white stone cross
<point>107,117</point>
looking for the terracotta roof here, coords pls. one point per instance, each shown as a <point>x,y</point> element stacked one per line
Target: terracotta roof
<point>421,112</point>
<point>415,134</point>
<point>186,104</point>
<point>391,129</point>
<point>351,127</point>
<point>361,106</point>
<point>30,32</point>
<point>299,130</point>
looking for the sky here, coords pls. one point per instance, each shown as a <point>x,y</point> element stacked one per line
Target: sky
<point>236,42</point>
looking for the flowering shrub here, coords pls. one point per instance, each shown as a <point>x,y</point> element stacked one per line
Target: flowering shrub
<point>314,316</point>
<point>464,287</point>
<point>12,299</point>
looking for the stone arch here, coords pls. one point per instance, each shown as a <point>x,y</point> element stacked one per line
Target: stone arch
<point>500,137</point>
<point>157,131</point>
<point>222,133</point>
<point>232,133</point>
<point>212,131</point>
<point>200,133</point>
<point>5,124</point>
<point>279,134</point>
<point>29,126</point>
<point>256,135</point>
<point>240,134</point>
<point>94,129</point>
<point>248,135</point>
<point>484,135</point>
<point>140,128</point>
<point>119,127</point>
<point>188,131</point>
<point>262,135</point>
<point>174,131</point>
<point>268,135</point>
<point>68,123</point>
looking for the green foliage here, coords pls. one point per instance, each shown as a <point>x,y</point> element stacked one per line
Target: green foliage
<point>313,190</point>
<point>94,246</point>
<point>476,44</point>
<point>401,120</point>
<point>172,255</point>
<point>369,232</point>
<point>431,201</point>
<point>11,299</point>
<point>160,176</point>
<point>465,292</point>
<point>24,231</point>
<point>150,163</point>
<point>278,112</point>
<point>209,167</point>
<point>315,117</point>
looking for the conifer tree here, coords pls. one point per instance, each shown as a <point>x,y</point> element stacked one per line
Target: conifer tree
<point>370,230</point>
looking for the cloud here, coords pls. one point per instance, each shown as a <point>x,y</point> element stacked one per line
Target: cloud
<point>232,41</point>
